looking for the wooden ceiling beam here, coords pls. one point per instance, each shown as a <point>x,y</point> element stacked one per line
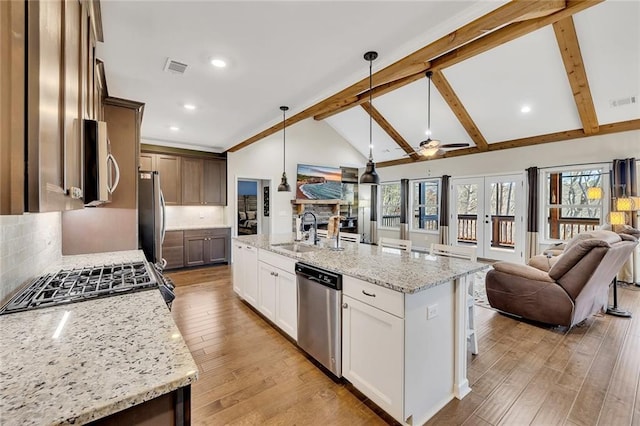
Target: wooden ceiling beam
<point>604,129</point>
<point>375,92</point>
<point>567,38</point>
<point>418,61</point>
<point>389,129</point>
<point>508,33</point>
<point>459,110</point>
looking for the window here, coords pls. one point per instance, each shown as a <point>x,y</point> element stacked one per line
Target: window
<point>425,205</point>
<point>390,205</point>
<point>567,209</point>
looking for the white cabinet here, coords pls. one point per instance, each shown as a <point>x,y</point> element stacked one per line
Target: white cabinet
<point>245,272</point>
<point>373,353</point>
<point>287,304</point>
<point>278,293</point>
<point>268,281</point>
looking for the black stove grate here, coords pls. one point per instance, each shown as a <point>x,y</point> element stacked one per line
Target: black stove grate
<point>75,285</point>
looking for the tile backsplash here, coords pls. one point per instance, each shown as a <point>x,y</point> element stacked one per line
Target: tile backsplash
<point>28,244</point>
<point>195,216</point>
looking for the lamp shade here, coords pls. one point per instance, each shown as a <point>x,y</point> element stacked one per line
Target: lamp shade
<point>594,193</point>
<point>617,218</point>
<point>625,204</point>
<point>370,175</point>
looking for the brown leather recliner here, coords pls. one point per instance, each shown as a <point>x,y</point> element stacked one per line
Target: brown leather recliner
<point>563,290</point>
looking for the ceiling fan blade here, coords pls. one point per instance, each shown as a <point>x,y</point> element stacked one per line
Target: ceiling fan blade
<point>455,145</point>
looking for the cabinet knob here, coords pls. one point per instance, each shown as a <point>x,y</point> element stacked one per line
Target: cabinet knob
<point>275,274</point>
<point>345,306</point>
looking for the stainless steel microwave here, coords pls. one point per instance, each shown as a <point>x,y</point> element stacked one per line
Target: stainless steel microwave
<point>101,171</point>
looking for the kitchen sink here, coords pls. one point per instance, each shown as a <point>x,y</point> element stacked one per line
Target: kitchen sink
<point>296,248</point>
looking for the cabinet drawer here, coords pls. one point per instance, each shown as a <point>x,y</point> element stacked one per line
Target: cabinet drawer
<point>277,260</point>
<point>383,298</point>
<point>173,239</point>
<point>211,232</point>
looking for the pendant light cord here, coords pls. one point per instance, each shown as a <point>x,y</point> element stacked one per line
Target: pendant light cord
<point>429,105</point>
<point>370,117</point>
<point>284,140</point>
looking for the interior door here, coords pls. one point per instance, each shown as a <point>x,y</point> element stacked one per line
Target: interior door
<point>488,213</point>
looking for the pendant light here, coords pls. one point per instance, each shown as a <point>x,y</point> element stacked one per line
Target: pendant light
<point>429,147</point>
<point>284,185</point>
<point>370,176</point>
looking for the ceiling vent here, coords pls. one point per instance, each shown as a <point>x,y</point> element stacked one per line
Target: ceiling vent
<point>629,100</point>
<point>174,67</point>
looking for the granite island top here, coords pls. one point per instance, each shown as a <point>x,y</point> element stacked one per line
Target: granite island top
<point>110,354</point>
<point>406,272</point>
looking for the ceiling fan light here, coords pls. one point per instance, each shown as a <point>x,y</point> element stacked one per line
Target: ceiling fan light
<point>428,151</point>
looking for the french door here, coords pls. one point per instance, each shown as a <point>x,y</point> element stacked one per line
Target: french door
<point>488,213</point>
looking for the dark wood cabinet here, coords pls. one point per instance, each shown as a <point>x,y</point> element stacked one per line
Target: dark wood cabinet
<point>206,246</point>
<point>204,181</point>
<point>192,173</point>
<point>173,249</point>
<point>170,176</point>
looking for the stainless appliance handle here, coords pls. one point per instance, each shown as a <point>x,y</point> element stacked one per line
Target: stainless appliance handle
<point>114,185</point>
<point>163,211</point>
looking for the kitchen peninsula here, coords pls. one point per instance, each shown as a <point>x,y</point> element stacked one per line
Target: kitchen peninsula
<point>81,362</point>
<point>404,315</point>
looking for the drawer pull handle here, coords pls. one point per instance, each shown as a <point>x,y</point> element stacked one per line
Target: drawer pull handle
<point>368,294</point>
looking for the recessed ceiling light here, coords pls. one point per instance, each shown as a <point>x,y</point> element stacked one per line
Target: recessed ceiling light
<point>525,109</point>
<point>174,128</point>
<point>190,107</point>
<point>218,63</point>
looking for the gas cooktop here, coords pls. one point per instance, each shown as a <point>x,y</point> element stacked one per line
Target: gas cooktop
<point>75,285</point>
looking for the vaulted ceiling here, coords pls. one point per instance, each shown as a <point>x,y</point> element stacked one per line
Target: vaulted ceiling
<point>576,65</point>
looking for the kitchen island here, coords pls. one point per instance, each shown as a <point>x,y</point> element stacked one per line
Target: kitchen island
<point>81,362</point>
<point>404,316</point>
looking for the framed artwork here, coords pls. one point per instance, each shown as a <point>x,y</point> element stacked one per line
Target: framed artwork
<point>318,183</point>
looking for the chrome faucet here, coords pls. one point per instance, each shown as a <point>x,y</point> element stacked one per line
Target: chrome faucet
<point>314,225</point>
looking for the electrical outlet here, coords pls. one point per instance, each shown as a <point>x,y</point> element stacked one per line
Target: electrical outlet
<point>201,215</point>
<point>432,311</point>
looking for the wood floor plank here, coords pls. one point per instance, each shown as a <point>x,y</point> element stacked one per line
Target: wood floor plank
<point>590,398</point>
<point>617,407</point>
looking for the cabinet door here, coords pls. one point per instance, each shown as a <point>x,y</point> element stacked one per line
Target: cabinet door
<point>287,304</point>
<point>267,282</point>
<point>250,279</point>
<point>238,267</point>
<point>214,185</point>
<point>372,353</point>
<point>217,251</point>
<point>250,283</point>
<point>194,251</point>
<point>170,179</point>
<point>146,162</point>
<point>192,180</point>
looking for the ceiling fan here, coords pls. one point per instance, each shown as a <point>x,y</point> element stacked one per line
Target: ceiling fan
<point>431,147</point>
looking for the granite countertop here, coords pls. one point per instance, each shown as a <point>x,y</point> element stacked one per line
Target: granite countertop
<point>406,272</point>
<point>192,227</point>
<point>111,353</point>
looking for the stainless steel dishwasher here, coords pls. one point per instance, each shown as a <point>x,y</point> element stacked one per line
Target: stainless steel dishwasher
<point>320,315</point>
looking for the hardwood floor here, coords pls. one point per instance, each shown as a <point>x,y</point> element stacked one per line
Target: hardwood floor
<point>525,374</point>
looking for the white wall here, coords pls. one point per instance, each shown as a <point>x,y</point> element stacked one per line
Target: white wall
<point>308,142</point>
<point>29,243</point>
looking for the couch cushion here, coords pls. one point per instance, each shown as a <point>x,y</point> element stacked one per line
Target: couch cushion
<point>577,248</point>
<point>523,271</point>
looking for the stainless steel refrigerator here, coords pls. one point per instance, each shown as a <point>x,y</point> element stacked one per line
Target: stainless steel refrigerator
<point>151,217</point>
